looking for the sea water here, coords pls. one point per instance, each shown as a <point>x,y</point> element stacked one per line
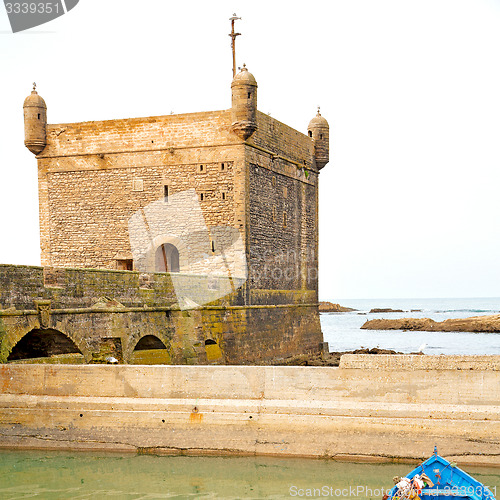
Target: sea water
<point>62,475</point>
<point>57,475</point>
<point>343,331</point>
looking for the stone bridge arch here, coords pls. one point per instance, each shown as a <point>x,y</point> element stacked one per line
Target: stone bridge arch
<point>130,355</point>
<point>18,328</point>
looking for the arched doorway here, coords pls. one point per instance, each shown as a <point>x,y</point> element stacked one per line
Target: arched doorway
<point>49,343</point>
<point>150,350</point>
<point>167,259</point>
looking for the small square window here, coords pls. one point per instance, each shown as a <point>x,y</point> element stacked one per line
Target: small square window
<point>223,195</point>
<point>125,264</point>
<point>201,168</point>
<point>223,166</point>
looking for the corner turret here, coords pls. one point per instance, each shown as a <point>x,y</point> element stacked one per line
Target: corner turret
<point>35,122</point>
<point>319,130</point>
<point>244,104</point>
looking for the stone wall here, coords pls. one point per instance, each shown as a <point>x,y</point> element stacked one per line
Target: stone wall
<point>377,413</point>
<point>94,176</point>
<point>154,133</point>
<point>282,231</point>
<point>282,204</point>
<point>101,184</point>
<point>106,313</point>
<point>283,141</point>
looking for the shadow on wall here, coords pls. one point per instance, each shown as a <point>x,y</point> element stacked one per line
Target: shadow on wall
<point>45,345</point>
<point>150,350</point>
<point>53,347</point>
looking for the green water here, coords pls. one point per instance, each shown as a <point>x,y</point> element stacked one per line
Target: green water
<point>53,475</point>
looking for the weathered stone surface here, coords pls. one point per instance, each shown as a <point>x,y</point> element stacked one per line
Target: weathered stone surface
<point>474,324</point>
<point>374,412</point>
<point>330,307</point>
<point>106,313</point>
<point>329,358</point>
<point>421,362</point>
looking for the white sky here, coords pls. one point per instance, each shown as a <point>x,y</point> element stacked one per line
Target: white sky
<point>409,203</point>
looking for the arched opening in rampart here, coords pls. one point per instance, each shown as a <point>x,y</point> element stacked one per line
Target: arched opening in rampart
<point>149,342</point>
<point>213,350</point>
<point>167,259</point>
<point>46,343</point>
<point>150,350</point>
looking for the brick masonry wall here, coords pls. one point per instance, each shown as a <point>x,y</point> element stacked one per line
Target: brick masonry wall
<point>139,134</point>
<point>283,140</point>
<point>282,231</point>
<point>277,333</point>
<point>89,210</point>
<point>93,176</point>
<point>282,204</point>
<point>20,286</point>
<point>107,312</point>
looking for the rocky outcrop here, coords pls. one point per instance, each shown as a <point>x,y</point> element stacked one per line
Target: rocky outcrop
<point>329,307</point>
<point>386,310</point>
<point>473,324</point>
<point>331,358</point>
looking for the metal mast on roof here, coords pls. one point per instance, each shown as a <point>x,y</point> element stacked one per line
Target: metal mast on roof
<point>233,36</point>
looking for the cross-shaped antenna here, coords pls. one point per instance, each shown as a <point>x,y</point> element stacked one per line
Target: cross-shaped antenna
<point>34,86</point>
<point>233,36</point>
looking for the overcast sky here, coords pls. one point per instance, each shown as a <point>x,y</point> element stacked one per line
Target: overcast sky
<point>409,203</point>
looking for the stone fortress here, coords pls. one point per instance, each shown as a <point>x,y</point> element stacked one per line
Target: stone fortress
<point>237,285</point>
<point>192,240</point>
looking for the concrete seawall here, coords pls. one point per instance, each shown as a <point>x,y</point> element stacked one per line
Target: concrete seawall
<point>371,407</point>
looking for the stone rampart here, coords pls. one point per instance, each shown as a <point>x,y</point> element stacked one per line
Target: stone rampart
<point>376,413</point>
<point>104,313</point>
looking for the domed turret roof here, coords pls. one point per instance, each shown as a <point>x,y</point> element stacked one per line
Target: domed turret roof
<point>318,121</point>
<point>34,100</point>
<point>244,77</point>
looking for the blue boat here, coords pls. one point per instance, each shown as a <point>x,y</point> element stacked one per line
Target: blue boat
<point>436,478</point>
